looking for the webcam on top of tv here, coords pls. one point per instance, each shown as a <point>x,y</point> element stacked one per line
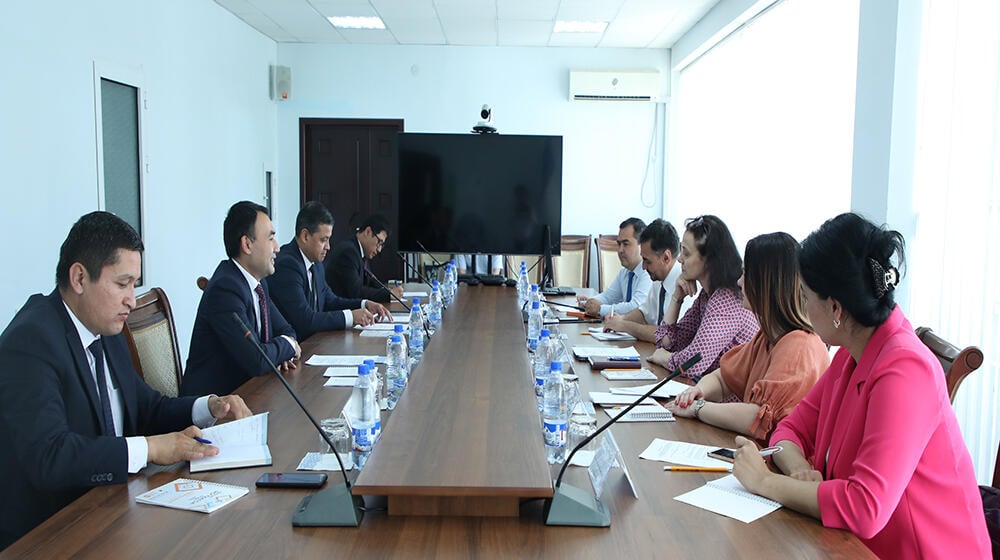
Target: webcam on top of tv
<point>485,125</point>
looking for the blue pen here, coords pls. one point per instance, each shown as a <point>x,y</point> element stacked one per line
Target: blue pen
<point>624,358</point>
<point>202,440</point>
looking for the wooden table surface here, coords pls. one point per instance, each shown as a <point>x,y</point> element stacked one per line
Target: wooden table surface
<point>107,523</point>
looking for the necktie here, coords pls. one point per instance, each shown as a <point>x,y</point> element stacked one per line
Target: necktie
<point>628,294</point>
<point>262,301</point>
<point>663,298</point>
<point>314,288</point>
<point>97,350</point>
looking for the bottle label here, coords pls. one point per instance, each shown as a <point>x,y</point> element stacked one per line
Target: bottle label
<point>363,438</point>
<point>555,434</point>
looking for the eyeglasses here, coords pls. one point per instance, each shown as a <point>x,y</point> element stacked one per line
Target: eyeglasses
<point>381,241</point>
<point>699,226</point>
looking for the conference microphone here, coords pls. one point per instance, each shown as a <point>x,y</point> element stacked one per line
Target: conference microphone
<point>577,307</point>
<point>575,507</point>
<point>414,270</point>
<point>681,369</point>
<point>429,254</point>
<point>334,506</point>
<point>423,323</point>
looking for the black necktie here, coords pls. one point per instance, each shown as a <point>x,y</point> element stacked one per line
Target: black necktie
<point>628,294</point>
<point>314,287</point>
<point>663,298</point>
<point>97,350</point>
<point>264,331</point>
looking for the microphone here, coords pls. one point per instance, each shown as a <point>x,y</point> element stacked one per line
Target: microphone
<point>681,369</point>
<point>429,254</point>
<point>577,307</point>
<point>334,506</point>
<point>386,288</point>
<point>414,270</point>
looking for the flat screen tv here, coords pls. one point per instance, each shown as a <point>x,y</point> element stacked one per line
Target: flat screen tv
<point>480,193</point>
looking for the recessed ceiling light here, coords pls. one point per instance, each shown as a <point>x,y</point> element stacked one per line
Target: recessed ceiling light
<point>356,22</point>
<point>580,26</point>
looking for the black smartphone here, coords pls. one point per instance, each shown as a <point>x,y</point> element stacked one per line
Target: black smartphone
<point>723,454</point>
<point>291,480</point>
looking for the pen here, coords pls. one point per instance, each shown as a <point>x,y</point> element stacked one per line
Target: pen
<point>202,440</point>
<point>696,469</point>
<point>623,359</point>
<point>768,451</point>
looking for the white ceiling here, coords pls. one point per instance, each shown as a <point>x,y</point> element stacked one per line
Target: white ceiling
<point>653,24</point>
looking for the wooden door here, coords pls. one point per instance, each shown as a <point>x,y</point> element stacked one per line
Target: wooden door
<point>351,166</point>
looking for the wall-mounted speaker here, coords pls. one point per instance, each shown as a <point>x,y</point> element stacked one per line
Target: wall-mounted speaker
<point>280,82</point>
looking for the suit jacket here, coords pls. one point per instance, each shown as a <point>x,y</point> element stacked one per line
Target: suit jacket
<point>346,273</point>
<point>50,415</point>
<point>292,294</point>
<point>220,359</point>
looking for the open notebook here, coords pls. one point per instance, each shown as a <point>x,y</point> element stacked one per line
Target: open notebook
<point>726,496</point>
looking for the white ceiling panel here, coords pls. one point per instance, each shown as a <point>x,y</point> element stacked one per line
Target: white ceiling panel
<point>520,33</point>
<point>367,36</point>
<point>631,23</point>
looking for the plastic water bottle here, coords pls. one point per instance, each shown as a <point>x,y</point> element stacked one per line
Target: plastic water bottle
<point>434,308</point>
<point>378,385</point>
<point>534,294</point>
<point>395,375</point>
<point>522,285</point>
<point>416,332</point>
<point>363,414</point>
<point>534,325</point>
<point>449,288</point>
<point>540,366</point>
<point>554,415</point>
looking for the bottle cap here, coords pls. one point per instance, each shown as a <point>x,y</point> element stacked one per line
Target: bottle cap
<point>398,328</point>
<point>556,366</point>
<point>543,333</point>
<point>396,337</point>
<point>416,301</point>
<point>534,305</point>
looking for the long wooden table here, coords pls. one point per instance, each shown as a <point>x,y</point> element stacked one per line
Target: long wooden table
<point>107,523</point>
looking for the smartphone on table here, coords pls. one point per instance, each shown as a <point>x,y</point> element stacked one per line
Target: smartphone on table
<point>291,480</point>
<point>723,454</point>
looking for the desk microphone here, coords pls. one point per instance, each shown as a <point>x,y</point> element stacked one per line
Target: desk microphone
<point>427,331</point>
<point>577,307</point>
<point>429,254</point>
<point>414,270</point>
<point>334,506</point>
<point>568,503</point>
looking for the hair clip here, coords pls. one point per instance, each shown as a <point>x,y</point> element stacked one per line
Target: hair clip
<point>885,280</point>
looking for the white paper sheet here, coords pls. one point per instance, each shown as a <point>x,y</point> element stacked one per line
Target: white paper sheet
<point>341,372</point>
<point>609,399</point>
<point>321,360</point>
<point>315,461</point>
<point>340,382</point>
<point>682,453</point>
<point>629,375</point>
<point>584,352</point>
<point>671,389</point>
<point>726,496</point>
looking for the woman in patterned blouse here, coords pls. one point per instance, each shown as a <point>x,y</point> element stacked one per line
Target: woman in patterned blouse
<point>760,382</point>
<point>716,321</point>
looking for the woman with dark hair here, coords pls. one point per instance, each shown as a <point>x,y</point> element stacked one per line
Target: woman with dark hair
<point>716,321</point>
<point>760,382</point>
<point>874,447</point>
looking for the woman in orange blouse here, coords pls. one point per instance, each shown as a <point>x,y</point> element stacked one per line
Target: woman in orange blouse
<point>759,383</point>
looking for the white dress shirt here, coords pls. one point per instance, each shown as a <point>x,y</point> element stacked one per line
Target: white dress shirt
<point>464,262</point>
<point>649,308</point>
<point>613,299</point>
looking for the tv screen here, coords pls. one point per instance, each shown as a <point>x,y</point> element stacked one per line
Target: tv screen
<point>479,193</point>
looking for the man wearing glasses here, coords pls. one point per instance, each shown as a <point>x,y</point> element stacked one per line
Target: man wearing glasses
<point>347,270</point>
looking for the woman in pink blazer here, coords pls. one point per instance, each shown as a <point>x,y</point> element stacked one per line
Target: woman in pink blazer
<point>874,448</point>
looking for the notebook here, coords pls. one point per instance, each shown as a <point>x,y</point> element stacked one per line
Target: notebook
<point>643,413</point>
<point>193,495</point>
<point>726,496</point>
<point>241,443</point>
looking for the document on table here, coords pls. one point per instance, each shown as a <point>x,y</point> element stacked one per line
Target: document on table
<point>628,375</point>
<point>341,372</point>
<point>387,327</point>
<point>584,352</point>
<point>597,333</point>
<point>315,461</point>
<point>321,360</point>
<point>643,413</point>
<point>192,495</point>
<point>400,318</point>
<point>241,443</point>
<point>414,294</point>
<point>726,496</point>
<point>340,382</point>
<point>671,389</point>
<point>682,453</point>
<point>608,399</point>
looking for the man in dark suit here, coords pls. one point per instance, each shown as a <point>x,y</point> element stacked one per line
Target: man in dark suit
<point>348,273</point>
<point>298,285</point>
<point>73,411</point>
<point>220,358</point>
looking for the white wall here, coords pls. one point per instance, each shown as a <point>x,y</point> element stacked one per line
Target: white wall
<point>440,89</point>
<point>207,134</point>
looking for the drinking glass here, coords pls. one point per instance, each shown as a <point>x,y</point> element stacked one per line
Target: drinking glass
<point>571,384</point>
<point>336,430</point>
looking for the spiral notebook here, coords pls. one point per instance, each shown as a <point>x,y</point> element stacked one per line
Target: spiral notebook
<point>726,496</point>
<point>193,495</point>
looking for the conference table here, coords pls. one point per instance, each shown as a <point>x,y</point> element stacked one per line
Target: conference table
<point>459,472</point>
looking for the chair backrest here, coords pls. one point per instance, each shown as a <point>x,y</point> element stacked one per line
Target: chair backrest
<point>201,282</point>
<point>152,340</point>
<point>572,266</point>
<point>957,364</point>
<point>513,263</point>
<point>607,259</point>
<point>429,266</point>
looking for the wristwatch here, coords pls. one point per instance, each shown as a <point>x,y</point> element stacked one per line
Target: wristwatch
<point>696,407</point>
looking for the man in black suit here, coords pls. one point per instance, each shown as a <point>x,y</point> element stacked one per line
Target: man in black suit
<point>220,358</point>
<point>73,411</point>
<point>348,273</point>
<point>298,285</point>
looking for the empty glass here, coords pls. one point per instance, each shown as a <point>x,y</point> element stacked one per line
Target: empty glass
<point>571,390</point>
<point>581,426</point>
<point>335,429</point>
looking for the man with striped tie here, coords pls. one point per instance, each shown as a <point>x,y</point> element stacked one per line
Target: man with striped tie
<point>658,246</point>
<point>298,285</point>
<point>629,288</point>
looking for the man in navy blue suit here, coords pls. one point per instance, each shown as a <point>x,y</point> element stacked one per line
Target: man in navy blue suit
<point>298,285</point>
<point>348,272</point>
<point>74,414</point>
<point>221,359</point>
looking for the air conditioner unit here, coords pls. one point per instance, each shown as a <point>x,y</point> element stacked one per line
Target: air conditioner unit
<point>614,86</point>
